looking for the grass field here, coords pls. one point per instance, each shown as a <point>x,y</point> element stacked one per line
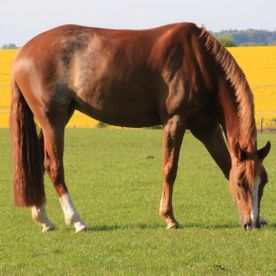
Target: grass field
<point>258,63</point>
<point>117,190</point>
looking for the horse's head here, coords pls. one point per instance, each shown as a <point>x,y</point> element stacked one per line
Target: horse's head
<point>247,179</point>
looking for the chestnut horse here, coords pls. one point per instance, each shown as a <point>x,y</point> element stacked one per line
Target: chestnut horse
<point>176,75</point>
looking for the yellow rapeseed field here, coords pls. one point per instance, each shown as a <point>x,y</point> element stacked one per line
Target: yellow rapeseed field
<point>258,63</point>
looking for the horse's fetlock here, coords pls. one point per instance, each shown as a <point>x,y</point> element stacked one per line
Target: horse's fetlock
<point>70,218</point>
<point>39,215</point>
<point>164,213</point>
<point>35,217</point>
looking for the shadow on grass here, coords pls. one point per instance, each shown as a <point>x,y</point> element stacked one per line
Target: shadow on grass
<point>106,228</point>
<point>142,226</point>
<point>145,226</point>
<point>224,226</point>
<point>271,225</point>
<point>211,226</point>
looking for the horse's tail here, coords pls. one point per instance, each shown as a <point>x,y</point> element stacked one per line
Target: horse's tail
<point>28,187</point>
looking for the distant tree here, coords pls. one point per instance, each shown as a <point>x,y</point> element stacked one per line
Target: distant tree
<point>226,41</point>
<point>249,37</point>
<point>9,46</point>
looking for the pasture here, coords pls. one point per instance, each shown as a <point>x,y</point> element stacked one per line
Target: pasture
<point>116,188</point>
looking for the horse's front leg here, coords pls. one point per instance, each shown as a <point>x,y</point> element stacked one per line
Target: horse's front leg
<point>173,132</point>
<point>213,140</point>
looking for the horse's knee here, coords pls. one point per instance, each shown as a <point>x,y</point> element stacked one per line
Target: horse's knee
<point>166,213</point>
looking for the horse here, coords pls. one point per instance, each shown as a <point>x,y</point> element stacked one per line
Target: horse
<point>178,76</point>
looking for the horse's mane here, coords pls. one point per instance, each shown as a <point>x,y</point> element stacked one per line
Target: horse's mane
<point>244,96</point>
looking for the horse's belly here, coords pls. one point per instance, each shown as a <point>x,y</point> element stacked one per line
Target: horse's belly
<point>120,112</point>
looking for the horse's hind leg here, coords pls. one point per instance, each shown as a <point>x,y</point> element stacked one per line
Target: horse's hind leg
<point>53,163</point>
<point>39,213</point>
<point>173,132</point>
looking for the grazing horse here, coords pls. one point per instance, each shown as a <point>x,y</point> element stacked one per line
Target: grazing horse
<point>176,75</point>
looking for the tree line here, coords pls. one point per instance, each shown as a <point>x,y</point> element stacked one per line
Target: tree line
<point>9,46</point>
<point>249,37</point>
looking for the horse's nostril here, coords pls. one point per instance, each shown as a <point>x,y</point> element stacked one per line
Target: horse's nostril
<point>247,227</point>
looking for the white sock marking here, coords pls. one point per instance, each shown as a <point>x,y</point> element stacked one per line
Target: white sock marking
<point>70,213</point>
<point>40,216</point>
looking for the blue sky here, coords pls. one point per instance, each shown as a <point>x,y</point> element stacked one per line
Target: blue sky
<point>21,20</point>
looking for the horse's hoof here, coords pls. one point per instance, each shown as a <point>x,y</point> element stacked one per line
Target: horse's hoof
<point>173,225</point>
<point>48,228</point>
<point>80,227</point>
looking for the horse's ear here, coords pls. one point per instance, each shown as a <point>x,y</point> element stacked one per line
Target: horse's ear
<point>239,153</point>
<point>262,153</point>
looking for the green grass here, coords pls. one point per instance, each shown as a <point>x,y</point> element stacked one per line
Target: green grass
<point>116,189</point>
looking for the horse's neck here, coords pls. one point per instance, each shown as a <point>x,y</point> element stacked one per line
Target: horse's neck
<point>229,118</point>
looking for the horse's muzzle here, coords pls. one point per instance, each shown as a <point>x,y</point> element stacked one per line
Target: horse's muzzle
<point>248,226</point>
